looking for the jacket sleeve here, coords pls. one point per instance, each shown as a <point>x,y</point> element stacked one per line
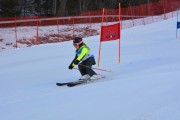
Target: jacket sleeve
<point>72,63</point>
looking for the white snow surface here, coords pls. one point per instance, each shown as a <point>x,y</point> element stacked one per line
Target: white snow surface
<point>144,86</point>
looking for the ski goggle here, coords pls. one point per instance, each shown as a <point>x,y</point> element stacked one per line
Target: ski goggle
<point>76,44</point>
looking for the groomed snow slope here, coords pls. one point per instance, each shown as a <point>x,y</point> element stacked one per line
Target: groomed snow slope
<point>145,86</point>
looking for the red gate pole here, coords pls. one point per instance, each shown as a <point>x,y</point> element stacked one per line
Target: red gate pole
<point>120,31</point>
<point>99,54</point>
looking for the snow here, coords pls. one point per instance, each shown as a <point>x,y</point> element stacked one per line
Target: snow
<point>144,86</point>
<point>27,35</point>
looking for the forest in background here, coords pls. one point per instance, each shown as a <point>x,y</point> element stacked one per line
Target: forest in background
<point>11,8</point>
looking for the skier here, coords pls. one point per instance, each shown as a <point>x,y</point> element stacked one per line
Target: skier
<point>84,59</point>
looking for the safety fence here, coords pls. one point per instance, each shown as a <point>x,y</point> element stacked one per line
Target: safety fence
<point>131,12</point>
<point>67,27</point>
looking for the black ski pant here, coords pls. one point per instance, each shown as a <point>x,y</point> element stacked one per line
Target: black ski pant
<point>85,67</point>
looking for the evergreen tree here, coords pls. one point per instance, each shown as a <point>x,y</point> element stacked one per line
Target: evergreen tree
<point>47,7</point>
<point>9,8</point>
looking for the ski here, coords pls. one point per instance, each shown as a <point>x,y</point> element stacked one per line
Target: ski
<point>61,84</point>
<point>79,82</point>
<point>71,84</point>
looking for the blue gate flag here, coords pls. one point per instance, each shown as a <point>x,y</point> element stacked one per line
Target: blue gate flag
<point>178,25</point>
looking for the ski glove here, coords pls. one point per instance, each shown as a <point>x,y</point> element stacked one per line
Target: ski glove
<point>71,66</point>
<point>76,62</point>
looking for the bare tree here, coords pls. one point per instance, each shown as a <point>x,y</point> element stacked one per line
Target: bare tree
<point>54,11</point>
<point>61,7</point>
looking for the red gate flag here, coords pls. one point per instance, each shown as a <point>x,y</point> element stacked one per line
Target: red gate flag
<point>110,32</point>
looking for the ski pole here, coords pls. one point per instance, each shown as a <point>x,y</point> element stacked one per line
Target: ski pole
<point>96,68</point>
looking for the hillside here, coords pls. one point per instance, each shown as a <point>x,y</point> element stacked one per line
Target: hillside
<point>143,87</point>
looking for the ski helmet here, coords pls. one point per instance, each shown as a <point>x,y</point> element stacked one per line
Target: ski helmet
<point>77,40</point>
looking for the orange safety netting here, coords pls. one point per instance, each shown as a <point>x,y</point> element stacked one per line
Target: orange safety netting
<point>131,12</point>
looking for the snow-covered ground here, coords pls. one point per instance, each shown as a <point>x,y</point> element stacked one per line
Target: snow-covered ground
<point>26,36</point>
<point>145,86</point>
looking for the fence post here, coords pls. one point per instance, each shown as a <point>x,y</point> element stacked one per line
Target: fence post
<point>164,9</point>
<point>37,27</point>
<point>171,1</point>
<point>132,16</point>
<point>58,28</point>
<point>143,15</point>
<point>15,31</point>
<point>73,26</point>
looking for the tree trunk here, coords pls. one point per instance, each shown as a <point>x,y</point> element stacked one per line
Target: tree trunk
<point>80,8</point>
<point>54,7</point>
<point>61,11</point>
